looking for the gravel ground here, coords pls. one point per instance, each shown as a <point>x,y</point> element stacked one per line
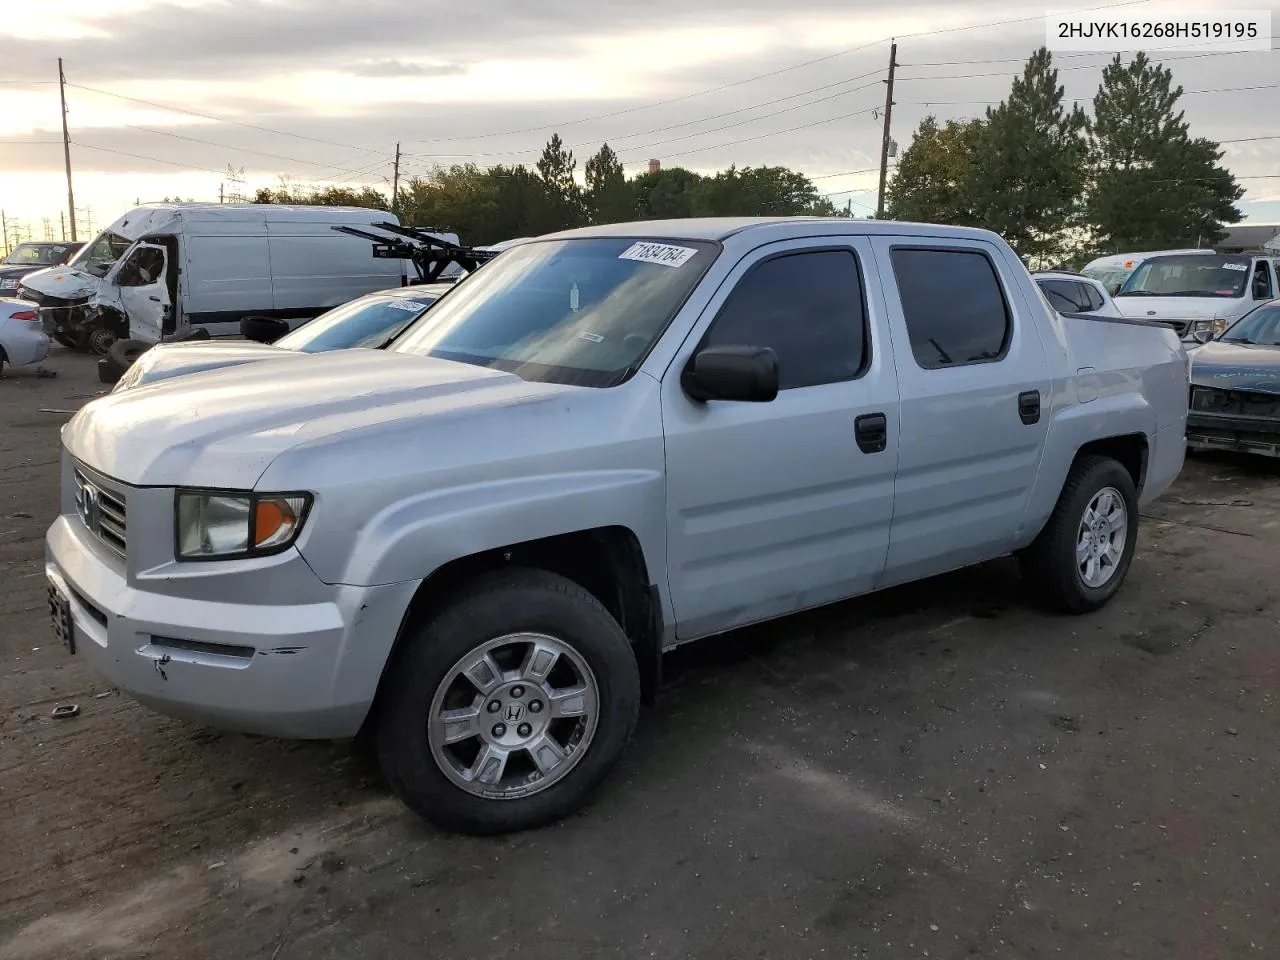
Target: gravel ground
<point>938,771</point>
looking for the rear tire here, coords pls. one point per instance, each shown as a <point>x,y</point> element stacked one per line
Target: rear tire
<point>592,693</point>
<point>1082,555</point>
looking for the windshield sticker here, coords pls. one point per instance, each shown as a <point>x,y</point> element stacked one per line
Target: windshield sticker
<point>661,253</point>
<point>591,337</point>
<point>1235,266</point>
<point>411,305</point>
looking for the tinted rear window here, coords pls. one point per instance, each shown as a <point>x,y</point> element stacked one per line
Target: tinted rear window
<point>953,305</point>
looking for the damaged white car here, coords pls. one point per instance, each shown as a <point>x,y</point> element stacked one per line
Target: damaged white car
<point>162,269</point>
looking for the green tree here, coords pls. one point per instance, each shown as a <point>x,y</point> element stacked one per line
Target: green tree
<point>758,192</point>
<point>666,193</point>
<point>323,197</point>
<point>1154,186</point>
<point>934,177</point>
<point>557,167</point>
<point>1028,174</point>
<point>609,199</point>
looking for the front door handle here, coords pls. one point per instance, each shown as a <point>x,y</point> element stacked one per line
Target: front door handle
<point>871,430</point>
<point>1029,406</point>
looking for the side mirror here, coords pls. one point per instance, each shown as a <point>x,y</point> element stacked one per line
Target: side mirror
<point>263,329</point>
<point>1202,336</point>
<point>748,374</point>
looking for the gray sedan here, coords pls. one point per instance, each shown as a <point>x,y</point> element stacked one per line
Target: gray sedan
<point>22,338</point>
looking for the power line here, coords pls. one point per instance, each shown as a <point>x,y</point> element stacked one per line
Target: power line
<point>775,133</point>
<point>140,156</point>
<point>1185,93</point>
<point>225,146</point>
<point>238,123</point>
<point>687,123</point>
<point>765,76</point>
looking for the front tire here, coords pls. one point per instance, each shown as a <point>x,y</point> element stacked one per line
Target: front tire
<point>1082,555</point>
<point>508,707</point>
<point>98,339</point>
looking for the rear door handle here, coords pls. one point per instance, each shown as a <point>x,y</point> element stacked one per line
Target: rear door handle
<point>871,430</point>
<point>1029,406</point>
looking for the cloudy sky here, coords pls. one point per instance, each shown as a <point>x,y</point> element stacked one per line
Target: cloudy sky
<point>163,95</point>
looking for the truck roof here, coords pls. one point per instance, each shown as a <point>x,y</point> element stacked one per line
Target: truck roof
<point>778,228</point>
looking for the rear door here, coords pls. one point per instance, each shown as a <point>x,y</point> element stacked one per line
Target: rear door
<point>774,507</point>
<point>975,385</point>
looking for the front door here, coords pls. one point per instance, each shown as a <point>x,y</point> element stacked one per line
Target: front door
<point>976,401</point>
<point>775,507</point>
<point>144,292</point>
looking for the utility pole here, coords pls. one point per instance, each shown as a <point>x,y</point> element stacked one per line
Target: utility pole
<point>884,143</point>
<point>66,149</point>
<point>62,225</point>
<point>395,181</point>
<point>222,189</point>
<point>4,225</point>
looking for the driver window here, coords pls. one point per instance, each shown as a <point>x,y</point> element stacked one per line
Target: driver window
<point>1261,281</point>
<point>808,308</point>
<point>146,266</point>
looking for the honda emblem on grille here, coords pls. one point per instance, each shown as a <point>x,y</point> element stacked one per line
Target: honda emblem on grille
<point>89,505</point>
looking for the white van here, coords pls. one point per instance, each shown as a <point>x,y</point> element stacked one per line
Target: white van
<point>1114,270</point>
<point>1195,294</point>
<point>163,268</point>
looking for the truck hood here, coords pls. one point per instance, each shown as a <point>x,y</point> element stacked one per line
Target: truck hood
<point>223,428</point>
<point>167,360</point>
<point>1173,308</point>
<point>66,283</point>
<point>1236,366</point>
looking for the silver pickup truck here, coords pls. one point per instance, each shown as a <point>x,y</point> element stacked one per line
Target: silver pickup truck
<point>477,544</point>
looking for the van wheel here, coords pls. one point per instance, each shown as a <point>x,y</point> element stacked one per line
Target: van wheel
<point>1082,555</point>
<point>98,339</point>
<point>505,709</point>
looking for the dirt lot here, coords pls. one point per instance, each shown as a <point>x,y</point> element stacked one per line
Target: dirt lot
<point>941,771</point>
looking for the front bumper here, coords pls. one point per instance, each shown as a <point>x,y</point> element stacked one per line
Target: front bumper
<point>1233,433</point>
<point>307,669</point>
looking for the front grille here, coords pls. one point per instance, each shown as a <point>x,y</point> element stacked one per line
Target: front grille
<point>102,505</point>
<point>1236,403</point>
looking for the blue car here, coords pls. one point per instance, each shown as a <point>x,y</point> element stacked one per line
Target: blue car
<point>1235,386</point>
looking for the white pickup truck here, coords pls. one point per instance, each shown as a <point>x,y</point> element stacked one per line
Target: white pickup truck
<point>477,543</point>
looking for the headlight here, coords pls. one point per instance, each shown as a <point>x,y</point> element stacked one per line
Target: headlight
<point>1219,324</point>
<point>219,526</point>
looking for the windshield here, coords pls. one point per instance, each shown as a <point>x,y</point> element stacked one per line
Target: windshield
<point>1110,277</point>
<point>37,254</point>
<point>1260,325</point>
<point>583,311</point>
<point>98,256</point>
<point>367,322</point>
<point>1189,276</point>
